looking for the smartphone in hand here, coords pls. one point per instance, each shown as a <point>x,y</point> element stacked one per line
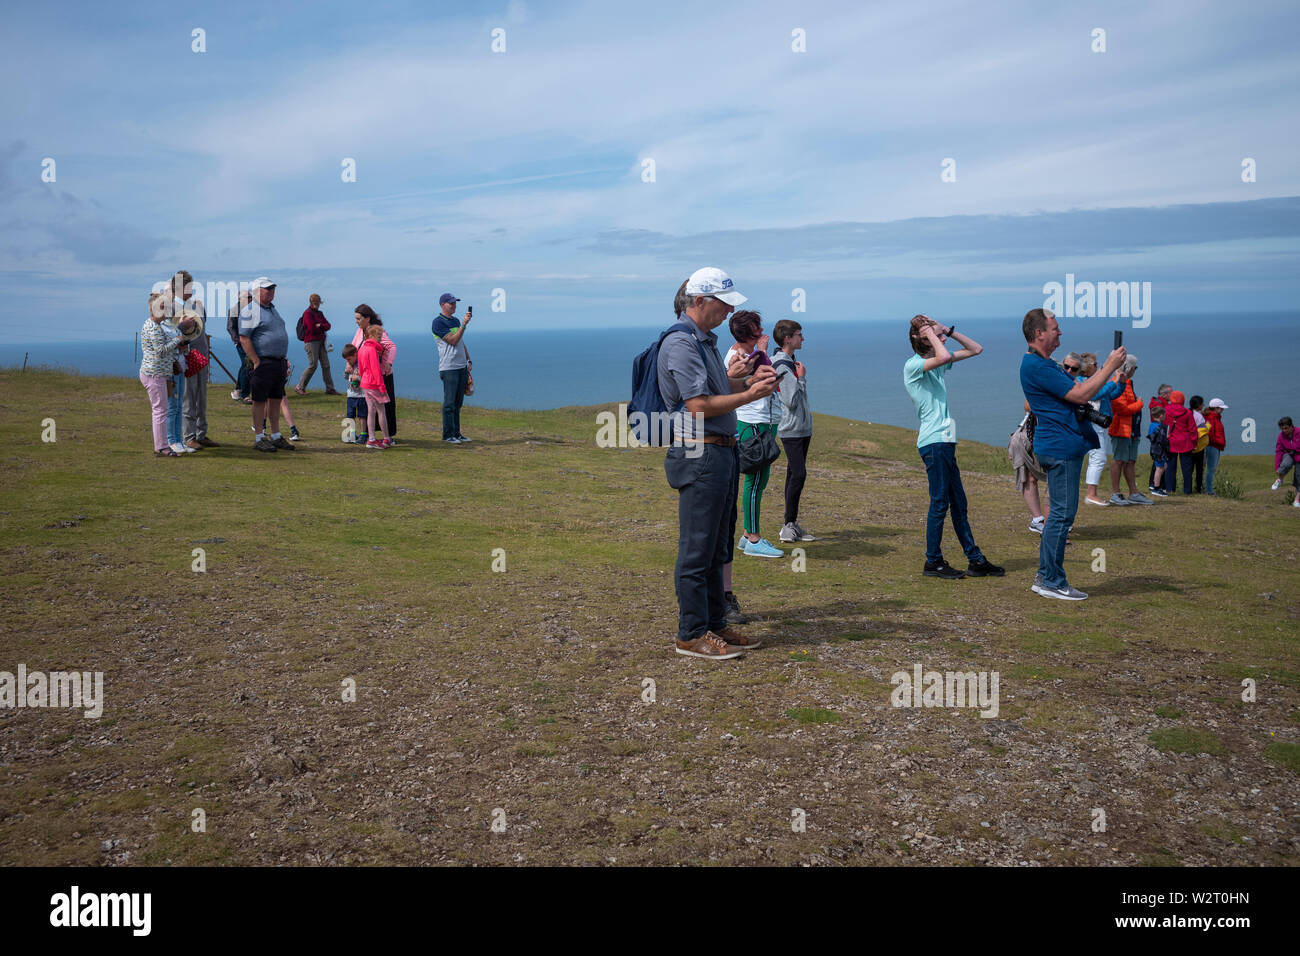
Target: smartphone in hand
<point>1119,338</point>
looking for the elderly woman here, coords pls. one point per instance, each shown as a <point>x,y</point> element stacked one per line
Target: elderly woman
<point>1083,365</point>
<point>1125,435</point>
<point>158,357</point>
<point>365,317</point>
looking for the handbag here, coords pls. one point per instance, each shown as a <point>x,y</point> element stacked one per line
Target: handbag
<point>757,452</point>
<point>195,362</point>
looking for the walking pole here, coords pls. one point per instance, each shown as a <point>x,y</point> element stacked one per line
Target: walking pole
<point>223,367</point>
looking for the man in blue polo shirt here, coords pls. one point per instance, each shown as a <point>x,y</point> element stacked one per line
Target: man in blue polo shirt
<point>453,365</point>
<point>1060,440</point>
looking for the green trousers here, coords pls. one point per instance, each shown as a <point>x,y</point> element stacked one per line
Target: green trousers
<point>751,495</point>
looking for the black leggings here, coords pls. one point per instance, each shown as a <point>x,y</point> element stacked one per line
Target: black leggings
<point>796,456</point>
<point>1198,469</point>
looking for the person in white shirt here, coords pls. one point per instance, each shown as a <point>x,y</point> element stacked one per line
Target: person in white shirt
<point>754,420</point>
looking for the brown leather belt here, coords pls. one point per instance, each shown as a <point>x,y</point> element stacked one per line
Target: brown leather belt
<point>727,440</point>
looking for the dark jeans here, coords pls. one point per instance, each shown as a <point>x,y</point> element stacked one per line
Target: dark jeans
<point>453,396</point>
<point>946,493</point>
<point>1184,465</point>
<point>1198,469</point>
<point>796,472</point>
<point>706,511</point>
<point>390,406</point>
<point>1063,490</point>
<point>243,385</point>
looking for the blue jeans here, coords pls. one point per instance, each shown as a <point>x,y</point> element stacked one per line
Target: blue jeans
<point>706,518</point>
<point>946,493</point>
<point>174,403</point>
<point>1211,464</point>
<point>453,396</point>
<point>1063,490</point>
<point>242,384</point>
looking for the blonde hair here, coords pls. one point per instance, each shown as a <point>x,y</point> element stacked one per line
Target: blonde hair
<point>155,312</point>
<point>1089,362</point>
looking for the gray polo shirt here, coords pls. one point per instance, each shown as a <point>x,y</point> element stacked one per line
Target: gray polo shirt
<point>264,327</point>
<point>683,375</point>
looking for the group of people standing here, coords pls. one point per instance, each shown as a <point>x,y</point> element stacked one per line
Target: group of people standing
<point>176,352</point>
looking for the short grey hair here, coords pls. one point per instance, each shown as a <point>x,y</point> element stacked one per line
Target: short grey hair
<point>1130,366</point>
<point>1075,358</point>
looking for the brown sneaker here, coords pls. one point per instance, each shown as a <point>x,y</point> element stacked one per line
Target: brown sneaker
<point>282,442</point>
<point>709,645</point>
<point>209,443</point>
<point>193,443</point>
<point>263,445</point>
<point>736,639</point>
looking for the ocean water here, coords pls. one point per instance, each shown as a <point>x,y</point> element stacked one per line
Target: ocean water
<point>855,369</point>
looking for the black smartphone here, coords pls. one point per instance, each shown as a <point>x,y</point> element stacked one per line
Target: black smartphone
<point>469,311</point>
<point>1119,338</point>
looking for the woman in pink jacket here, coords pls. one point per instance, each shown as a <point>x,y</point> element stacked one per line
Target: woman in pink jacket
<point>1182,439</point>
<point>1286,454</point>
<point>366,317</point>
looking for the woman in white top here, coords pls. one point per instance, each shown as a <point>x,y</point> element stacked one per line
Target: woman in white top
<point>757,418</point>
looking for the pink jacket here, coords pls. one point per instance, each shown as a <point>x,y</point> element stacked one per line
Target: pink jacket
<point>368,362</point>
<point>387,350</point>
<point>1287,446</point>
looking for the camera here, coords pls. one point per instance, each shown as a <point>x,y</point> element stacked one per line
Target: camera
<point>1086,413</point>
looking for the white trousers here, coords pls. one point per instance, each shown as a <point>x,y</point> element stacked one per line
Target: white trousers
<point>1097,457</point>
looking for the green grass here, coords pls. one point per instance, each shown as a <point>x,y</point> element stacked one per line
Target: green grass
<point>1186,740</point>
<point>522,690</point>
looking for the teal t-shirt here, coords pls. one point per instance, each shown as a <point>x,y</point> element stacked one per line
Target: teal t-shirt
<point>930,396</point>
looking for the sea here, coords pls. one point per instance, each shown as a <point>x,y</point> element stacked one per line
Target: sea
<point>855,368</point>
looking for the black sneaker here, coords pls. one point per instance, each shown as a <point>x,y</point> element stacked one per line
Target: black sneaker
<point>264,445</point>
<point>942,569</point>
<point>983,567</point>
<point>734,616</point>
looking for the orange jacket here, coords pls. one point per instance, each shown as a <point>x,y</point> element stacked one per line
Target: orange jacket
<point>1122,410</point>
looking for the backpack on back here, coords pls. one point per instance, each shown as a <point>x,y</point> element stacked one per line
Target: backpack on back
<point>302,329</point>
<point>646,398</point>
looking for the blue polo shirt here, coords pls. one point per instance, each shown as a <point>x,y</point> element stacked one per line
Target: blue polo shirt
<point>265,329</point>
<point>1059,434</point>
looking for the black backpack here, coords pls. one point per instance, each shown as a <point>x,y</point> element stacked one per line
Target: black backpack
<point>302,329</point>
<point>646,399</point>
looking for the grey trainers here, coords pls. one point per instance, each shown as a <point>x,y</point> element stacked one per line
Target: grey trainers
<point>1066,593</point>
<point>1139,499</point>
<point>1117,499</point>
<point>804,534</point>
<point>789,533</point>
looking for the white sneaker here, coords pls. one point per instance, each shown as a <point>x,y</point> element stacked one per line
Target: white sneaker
<point>1276,485</point>
<point>1036,525</point>
<point>1094,501</point>
<point>1294,504</point>
<point>181,449</point>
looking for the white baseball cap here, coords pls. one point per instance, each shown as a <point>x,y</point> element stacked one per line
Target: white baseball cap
<point>1217,403</point>
<point>714,282</point>
<point>261,282</point>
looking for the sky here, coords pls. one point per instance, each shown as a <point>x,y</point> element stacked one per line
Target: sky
<point>940,157</point>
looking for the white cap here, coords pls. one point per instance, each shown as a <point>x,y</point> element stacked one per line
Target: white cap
<point>714,282</point>
<point>1217,403</point>
<point>261,282</point>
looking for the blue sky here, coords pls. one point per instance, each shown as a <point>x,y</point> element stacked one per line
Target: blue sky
<point>522,170</point>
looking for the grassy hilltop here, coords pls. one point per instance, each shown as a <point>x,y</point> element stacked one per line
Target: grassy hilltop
<point>522,690</point>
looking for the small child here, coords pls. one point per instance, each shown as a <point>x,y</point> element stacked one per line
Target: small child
<point>356,407</point>
<point>372,386</point>
<point>1286,455</point>
<point>1158,435</point>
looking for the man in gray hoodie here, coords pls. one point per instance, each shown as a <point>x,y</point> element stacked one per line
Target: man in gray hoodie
<point>795,430</point>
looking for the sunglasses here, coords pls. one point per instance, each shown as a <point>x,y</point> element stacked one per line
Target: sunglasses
<point>1070,368</point>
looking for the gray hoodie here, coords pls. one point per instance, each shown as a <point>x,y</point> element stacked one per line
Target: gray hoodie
<point>796,416</point>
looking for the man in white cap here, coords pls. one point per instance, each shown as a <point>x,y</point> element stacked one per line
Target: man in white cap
<point>695,386</point>
<point>265,341</point>
<point>1218,440</point>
